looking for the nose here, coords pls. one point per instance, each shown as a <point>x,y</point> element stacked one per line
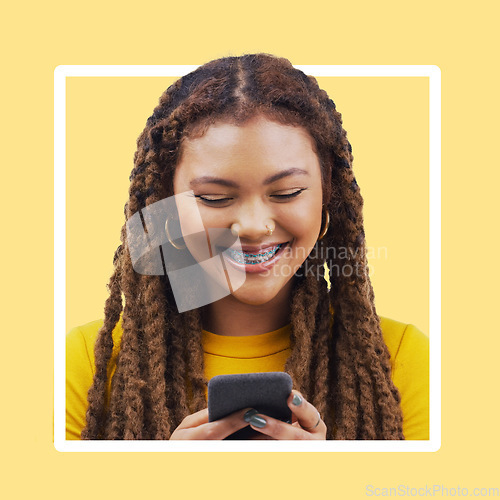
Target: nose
<point>253,222</point>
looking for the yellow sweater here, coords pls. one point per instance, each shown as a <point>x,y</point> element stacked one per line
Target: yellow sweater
<point>408,346</point>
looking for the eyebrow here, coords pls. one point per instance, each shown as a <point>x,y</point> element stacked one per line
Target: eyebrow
<point>207,179</point>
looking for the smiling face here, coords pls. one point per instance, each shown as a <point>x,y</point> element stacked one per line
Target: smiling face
<point>247,177</point>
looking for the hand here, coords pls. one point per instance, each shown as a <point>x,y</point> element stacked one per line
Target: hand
<point>306,421</point>
<point>197,426</point>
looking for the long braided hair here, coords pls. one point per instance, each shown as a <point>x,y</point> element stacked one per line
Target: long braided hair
<point>343,367</point>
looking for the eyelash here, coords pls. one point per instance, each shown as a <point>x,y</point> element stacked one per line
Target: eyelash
<point>223,200</point>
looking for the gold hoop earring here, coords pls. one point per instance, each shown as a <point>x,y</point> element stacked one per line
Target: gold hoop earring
<point>179,247</point>
<point>324,230</point>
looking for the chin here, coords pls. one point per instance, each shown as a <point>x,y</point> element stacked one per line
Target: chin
<point>257,295</point>
<point>252,299</point>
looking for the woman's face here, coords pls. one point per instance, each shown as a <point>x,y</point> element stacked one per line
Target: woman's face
<point>246,178</point>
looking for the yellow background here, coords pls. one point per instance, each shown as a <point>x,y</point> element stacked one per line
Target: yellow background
<point>458,37</point>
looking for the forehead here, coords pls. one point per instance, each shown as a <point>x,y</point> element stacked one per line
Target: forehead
<point>258,147</point>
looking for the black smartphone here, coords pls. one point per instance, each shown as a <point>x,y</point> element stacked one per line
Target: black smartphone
<point>267,392</point>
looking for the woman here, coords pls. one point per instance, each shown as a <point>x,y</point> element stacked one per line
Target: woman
<point>260,151</point>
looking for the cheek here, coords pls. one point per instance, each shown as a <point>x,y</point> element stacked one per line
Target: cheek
<point>303,222</point>
<point>214,218</point>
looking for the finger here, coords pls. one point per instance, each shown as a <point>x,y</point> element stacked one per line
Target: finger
<point>219,429</point>
<point>307,415</point>
<point>276,429</point>
<point>195,419</point>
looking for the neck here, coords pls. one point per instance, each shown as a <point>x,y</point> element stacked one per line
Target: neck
<point>231,317</point>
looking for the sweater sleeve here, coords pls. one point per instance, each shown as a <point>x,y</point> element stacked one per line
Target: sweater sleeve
<point>411,377</point>
<point>79,376</point>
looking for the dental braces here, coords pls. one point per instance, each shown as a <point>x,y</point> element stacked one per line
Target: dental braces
<point>244,258</point>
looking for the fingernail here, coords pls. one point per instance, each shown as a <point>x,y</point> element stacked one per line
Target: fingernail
<point>258,422</point>
<point>249,414</point>
<point>297,400</point>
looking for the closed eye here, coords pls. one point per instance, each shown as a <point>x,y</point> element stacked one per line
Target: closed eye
<point>212,201</point>
<point>288,196</point>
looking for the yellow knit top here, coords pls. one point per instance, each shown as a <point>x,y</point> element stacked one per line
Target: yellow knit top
<point>409,349</point>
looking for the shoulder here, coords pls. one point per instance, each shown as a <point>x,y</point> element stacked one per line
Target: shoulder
<point>80,369</point>
<point>403,339</point>
<point>409,349</point>
<point>80,341</point>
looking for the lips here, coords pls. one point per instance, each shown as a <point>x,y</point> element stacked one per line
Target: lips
<point>253,255</point>
<point>263,247</point>
<point>255,259</point>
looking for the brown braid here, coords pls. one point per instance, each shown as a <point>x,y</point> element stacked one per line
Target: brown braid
<point>298,365</point>
<point>344,369</point>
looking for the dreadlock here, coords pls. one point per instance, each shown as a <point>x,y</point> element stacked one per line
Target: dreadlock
<point>342,367</point>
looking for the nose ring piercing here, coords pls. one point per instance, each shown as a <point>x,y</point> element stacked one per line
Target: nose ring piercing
<point>270,230</point>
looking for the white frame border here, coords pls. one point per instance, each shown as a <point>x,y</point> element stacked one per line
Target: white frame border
<point>60,442</point>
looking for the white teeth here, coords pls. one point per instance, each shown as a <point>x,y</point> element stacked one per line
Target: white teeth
<point>251,258</point>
